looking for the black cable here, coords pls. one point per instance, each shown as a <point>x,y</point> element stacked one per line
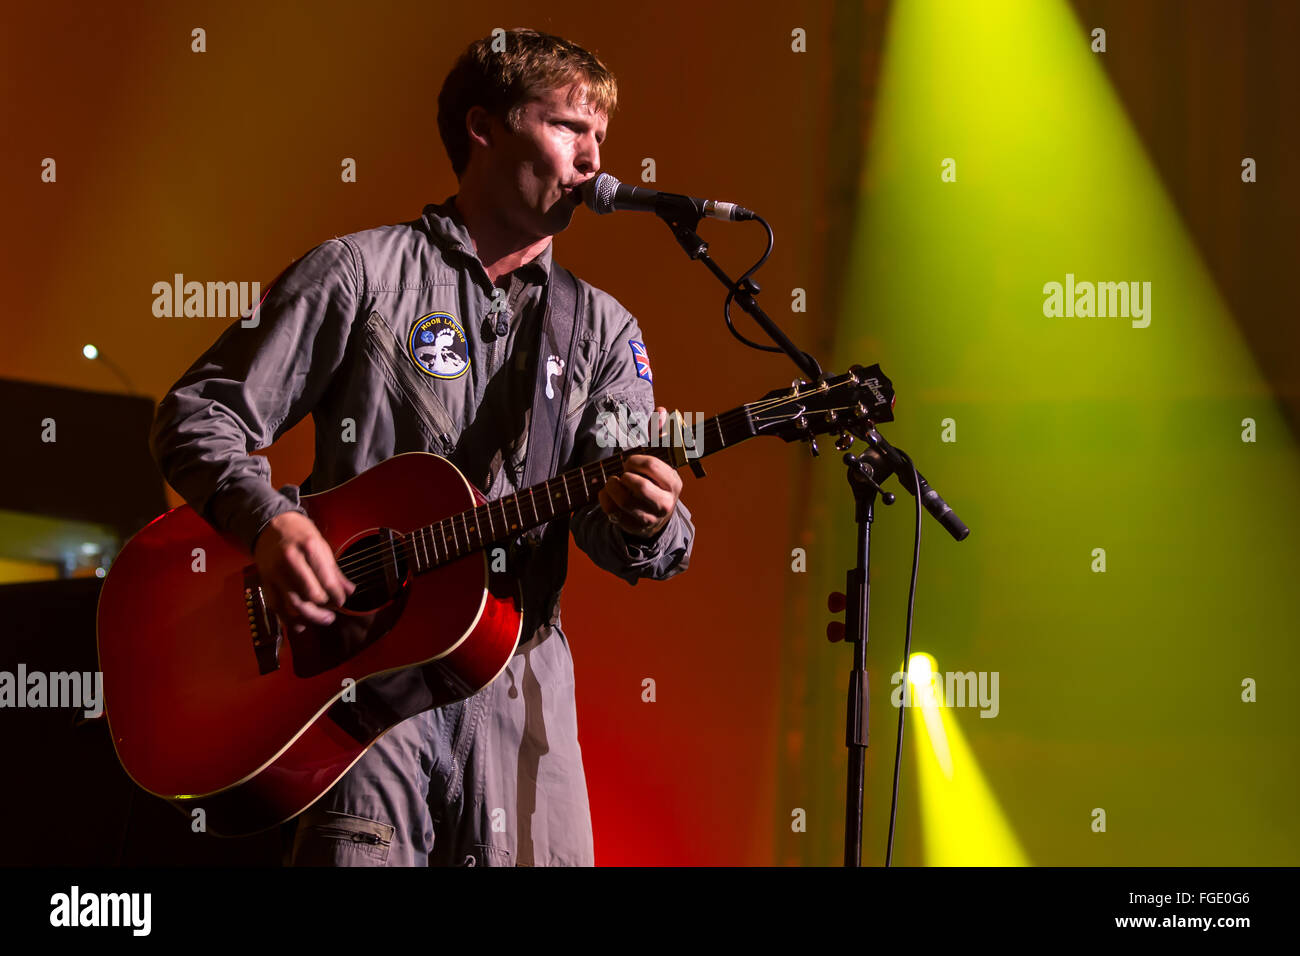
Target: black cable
<point>907,653</point>
<point>741,286</point>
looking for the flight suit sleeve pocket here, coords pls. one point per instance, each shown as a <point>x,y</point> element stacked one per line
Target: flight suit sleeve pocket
<point>331,838</point>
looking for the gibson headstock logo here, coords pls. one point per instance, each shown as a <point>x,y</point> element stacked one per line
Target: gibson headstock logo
<point>874,385</point>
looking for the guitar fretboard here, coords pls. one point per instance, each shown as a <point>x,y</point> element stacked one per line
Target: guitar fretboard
<point>501,520</point>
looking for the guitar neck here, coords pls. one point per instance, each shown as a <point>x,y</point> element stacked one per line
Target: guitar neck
<point>498,521</point>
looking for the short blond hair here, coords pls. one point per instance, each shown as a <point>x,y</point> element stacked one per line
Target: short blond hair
<point>504,82</point>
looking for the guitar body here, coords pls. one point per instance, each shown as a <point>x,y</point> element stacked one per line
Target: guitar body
<point>203,714</point>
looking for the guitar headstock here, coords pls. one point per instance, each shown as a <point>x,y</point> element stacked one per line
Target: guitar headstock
<point>850,403</point>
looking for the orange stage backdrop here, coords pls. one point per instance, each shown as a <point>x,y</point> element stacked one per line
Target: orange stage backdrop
<point>224,165</point>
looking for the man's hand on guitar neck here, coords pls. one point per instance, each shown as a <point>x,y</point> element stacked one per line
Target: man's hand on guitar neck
<point>641,500</point>
<point>298,572</point>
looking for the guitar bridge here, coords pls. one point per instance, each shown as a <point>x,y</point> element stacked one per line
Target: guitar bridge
<point>264,629</point>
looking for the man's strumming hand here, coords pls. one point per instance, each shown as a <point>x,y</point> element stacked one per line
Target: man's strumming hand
<point>298,572</point>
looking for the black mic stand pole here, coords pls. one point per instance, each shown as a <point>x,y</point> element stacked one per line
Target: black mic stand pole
<point>858,616</point>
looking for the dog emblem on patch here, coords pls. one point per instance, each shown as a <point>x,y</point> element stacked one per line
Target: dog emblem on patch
<point>554,366</point>
<point>438,347</point>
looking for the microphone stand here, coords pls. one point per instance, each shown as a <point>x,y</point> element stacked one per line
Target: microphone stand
<point>865,473</point>
<point>682,218</point>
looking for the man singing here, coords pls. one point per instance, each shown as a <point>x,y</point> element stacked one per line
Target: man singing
<point>427,336</point>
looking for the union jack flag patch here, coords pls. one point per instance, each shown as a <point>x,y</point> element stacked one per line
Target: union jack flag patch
<point>642,359</point>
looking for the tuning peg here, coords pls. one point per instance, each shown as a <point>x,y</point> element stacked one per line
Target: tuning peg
<point>812,446</point>
<point>835,631</point>
<point>844,442</point>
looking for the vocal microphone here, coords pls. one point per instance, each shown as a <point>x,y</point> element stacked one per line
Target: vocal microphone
<point>604,194</point>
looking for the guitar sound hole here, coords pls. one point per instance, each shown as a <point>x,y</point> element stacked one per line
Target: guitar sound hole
<point>378,566</point>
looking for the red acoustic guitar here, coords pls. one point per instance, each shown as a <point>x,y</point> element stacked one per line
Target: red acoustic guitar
<point>211,704</point>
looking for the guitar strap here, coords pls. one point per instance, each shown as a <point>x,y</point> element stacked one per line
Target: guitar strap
<point>562,318</point>
<point>554,357</point>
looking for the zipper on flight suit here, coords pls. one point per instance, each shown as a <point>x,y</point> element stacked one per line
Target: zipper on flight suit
<point>513,294</point>
<point>426,403</point>
<point>356,836</point>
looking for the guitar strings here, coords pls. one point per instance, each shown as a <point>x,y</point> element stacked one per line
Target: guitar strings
<point>367,563</point>
<point>356,560</point>
<point>370,562</point>
<point>362,563</point>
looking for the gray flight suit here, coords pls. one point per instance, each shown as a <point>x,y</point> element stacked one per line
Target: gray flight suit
<point>389,338</point>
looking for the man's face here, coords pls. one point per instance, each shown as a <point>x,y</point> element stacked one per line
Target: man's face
<point>539,167</point>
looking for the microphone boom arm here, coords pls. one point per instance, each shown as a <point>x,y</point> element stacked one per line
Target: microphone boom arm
<point>682,220</point>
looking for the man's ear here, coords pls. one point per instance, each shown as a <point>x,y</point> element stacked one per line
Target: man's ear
<point>478,125</point>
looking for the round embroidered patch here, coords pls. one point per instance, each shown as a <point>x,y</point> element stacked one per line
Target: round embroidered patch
<point>438,347</point>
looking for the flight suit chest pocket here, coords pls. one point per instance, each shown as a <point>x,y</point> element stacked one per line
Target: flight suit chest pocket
<point>588,356</point>
<point>388,352</point>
